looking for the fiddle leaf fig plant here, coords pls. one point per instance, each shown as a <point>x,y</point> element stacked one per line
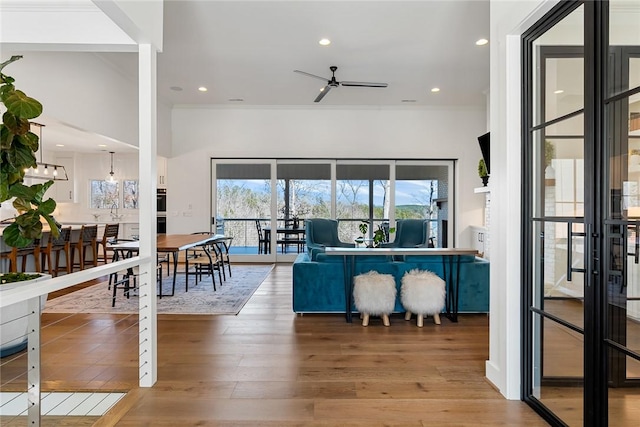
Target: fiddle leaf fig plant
<point>18,146</point>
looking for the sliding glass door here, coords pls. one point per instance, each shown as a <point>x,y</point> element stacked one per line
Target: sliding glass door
<point>303,191</point>
<point>262,203</point>
<point>243,194</point>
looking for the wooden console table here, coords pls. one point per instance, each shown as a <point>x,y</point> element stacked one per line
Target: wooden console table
<point>450,259</point>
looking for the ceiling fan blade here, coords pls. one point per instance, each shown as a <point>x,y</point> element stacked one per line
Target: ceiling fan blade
<point>311,75</point>
<point>322,93</point>
<point>364,84</point>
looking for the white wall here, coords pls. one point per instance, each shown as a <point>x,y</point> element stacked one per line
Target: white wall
<point>202,133</point>
<point>508,19</point>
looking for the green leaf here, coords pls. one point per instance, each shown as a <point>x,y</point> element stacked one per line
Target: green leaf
<point>4,187</point>
<point>23,106</point>
<point>21,156</point>
<point>15,124</point>
<point>21,205</point>
<point>6,89</point>
<point>23,191</point>
<point>47,207</point>
<point>29,140</point>
<point>12,237</point>
<point>29,224</point>
<point>40,190</point>
<point>6,137</point>
<point>53,225</point>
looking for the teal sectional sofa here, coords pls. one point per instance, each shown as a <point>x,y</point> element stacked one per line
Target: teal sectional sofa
<point>319,286</point>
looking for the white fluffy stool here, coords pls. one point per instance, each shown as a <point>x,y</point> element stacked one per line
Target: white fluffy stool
<point>422,293</point>
<point>374,294</point>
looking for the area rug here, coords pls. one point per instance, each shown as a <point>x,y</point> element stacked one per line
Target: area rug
<point>229,298</point>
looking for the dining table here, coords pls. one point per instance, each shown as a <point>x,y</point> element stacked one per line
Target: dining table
<point>170,244</point>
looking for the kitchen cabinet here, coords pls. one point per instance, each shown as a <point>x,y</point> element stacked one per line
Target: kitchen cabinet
<point>130,230</point>
<point>480,241</point>
<point>65,191</point>
<point>162,172</point>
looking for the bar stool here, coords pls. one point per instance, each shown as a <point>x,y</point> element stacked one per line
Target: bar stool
<point>110,233</point>
<point>12,255</point>
<point>57,245</point>
<point>87,239</point>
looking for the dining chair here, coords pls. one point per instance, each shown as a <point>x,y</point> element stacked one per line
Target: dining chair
<point>224,245</point>
<point>87,239</point>
<point>263,242</point>
<point>292,238</point>
<point>206,259</point>
<point>56,245</point>
<point>110,234</point>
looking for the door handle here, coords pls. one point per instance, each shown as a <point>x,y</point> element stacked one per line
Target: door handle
<point>636,244</point>
<point>570,235</point>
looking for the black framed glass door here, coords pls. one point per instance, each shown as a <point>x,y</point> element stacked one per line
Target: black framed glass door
<point>581,214</point>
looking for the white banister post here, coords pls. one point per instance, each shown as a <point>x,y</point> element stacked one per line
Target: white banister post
<point>33,362</point>
<point>147,72</point>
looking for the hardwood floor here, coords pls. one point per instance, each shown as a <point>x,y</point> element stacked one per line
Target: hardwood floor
<point>270,367</point>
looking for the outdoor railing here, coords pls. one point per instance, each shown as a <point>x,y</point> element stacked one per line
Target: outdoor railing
<point>245,234</point>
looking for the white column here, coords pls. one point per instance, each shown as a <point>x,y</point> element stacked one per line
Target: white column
<point>147,71</point>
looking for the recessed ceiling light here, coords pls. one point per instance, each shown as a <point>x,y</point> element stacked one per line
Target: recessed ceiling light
<point>236,99</point>
<point>408,100</point>
<point>435,89</point>
<point>559,91</point>
<point>202,89</point>
<point>176,88</point>
<point>102,145</point>
<point>482,42</point>
<point>324,42</point>
<point>59,145</point>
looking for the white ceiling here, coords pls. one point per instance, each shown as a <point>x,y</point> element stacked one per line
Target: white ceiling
<point>248,50</point>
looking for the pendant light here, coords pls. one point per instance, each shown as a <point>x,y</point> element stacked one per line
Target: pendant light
<point>111,177</point>
<point>35,172</point>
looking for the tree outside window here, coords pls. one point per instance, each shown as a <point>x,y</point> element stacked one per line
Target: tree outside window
<point>104,194</point>
<point>130,194</point>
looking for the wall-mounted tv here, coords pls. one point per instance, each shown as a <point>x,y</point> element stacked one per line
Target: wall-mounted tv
<point>484,147</point>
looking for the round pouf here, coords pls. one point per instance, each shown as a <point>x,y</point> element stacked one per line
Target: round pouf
<point>422,293</point>
<point>374,294</point>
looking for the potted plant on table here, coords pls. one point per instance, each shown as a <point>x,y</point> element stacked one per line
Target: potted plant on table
<point>379,235</point>
<point>483,173</point>
<point>18,146</point>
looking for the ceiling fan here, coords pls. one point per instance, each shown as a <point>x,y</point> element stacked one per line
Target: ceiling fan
<point>332,82</point>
